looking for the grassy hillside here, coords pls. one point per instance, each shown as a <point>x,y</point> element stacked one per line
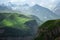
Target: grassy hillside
<point>13,20</point>
<point>15,24</point>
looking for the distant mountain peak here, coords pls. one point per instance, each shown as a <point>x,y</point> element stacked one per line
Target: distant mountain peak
<point>43,13</point>
<point>36,6</point>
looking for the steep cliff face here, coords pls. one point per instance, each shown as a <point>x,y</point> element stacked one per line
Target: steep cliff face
<point>50,30</point>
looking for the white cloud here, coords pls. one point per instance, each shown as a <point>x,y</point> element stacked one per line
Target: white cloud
<point>17,0</point>
<point>45,3</point>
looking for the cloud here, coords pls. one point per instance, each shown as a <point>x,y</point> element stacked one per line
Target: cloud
<point>17,0</point>
<point>45,3</point>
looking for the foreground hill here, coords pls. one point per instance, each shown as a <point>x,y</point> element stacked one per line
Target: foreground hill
<point>50,30</point>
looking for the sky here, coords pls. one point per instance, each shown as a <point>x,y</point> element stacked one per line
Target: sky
<point>45,3</point>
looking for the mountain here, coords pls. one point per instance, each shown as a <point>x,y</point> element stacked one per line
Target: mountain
<point>42,13</point>
<point>3,7</point>
<point>22,7</point>
<point>57,9</point>
<point>50,30</point>
<point>11,6</point>
<point>17,25</point>
<point>37,19</point>
<point>18,7</point>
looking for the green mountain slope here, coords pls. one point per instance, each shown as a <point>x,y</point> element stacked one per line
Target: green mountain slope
<point>16,24</point>
<point>49,30</point>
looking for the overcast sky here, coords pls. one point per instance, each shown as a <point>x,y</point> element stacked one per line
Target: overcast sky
<point>45,3</point>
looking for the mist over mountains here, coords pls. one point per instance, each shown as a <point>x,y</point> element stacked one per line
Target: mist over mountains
<point>36,12</point>
<point>42,13</point>
<point>3,7</point>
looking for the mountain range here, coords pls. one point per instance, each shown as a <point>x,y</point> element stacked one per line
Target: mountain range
<point>42,13</point>
<point>3,7</point>
<point>37,14</point>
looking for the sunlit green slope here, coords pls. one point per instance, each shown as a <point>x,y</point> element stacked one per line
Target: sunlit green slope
<point>13,20</point>
<point>17,24</point>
